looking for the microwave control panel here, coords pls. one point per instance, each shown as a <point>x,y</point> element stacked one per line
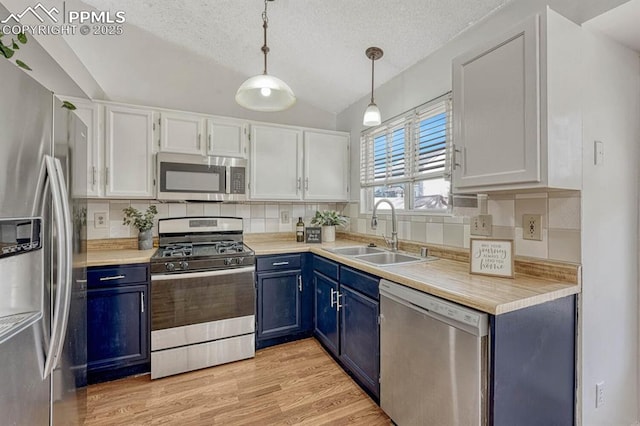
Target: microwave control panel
<point>238,182</point>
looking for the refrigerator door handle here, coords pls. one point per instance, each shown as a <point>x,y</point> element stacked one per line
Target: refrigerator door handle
<point>62,304</point>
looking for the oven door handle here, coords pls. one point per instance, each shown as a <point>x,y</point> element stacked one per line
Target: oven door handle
<point>182,275</point>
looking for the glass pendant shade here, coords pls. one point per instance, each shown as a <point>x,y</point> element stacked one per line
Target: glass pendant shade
<point>372,115</point>
<point>265,92</point>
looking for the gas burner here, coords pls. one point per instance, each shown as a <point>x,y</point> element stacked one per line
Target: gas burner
<point>224,247</point>
<point>177,250</point>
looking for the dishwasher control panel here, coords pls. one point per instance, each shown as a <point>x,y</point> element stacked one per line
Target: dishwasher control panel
<point>478,321</point>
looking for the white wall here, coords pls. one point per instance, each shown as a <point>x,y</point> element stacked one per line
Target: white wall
<point>610,232</point>
<point>431,77</point>
<point>610,198</point>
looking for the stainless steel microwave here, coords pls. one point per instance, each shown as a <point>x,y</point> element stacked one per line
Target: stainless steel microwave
<point>194,177</point>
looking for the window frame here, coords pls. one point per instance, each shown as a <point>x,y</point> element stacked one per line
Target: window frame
<point>411,121</point>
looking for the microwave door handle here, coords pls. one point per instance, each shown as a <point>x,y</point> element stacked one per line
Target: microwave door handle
<point>227,183</point>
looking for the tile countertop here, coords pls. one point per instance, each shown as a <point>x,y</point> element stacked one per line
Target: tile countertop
<point>448,279</point>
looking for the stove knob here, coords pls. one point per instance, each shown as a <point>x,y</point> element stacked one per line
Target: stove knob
<point>228,261</point>
<point>239,260</point>
<point>170,266</point>
<point>184,265</point>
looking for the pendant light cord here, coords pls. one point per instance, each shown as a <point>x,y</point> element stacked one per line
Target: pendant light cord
<point>265,48</point>
<point>372,67</point>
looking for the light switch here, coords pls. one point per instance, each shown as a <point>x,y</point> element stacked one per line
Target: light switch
<point>598,153</point>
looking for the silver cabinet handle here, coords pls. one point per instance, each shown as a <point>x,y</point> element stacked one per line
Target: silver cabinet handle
<point>338,305</point>
<point>300,283</point>
<point>306,184</point>
<point>114,277</point>
<point>93,175</point>
<point>209,145</point>
<point>106,176</point>
<point>299,184</point>
<point>332,292</point>
<point>279,263</point>
<point>142,302</point>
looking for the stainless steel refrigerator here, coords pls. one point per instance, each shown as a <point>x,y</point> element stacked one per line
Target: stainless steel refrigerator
<point>42,274</point>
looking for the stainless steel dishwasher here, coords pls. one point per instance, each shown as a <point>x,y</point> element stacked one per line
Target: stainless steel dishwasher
<point>433,359</point>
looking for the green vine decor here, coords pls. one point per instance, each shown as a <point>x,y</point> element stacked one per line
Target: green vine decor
<point>9,51</point>
<point>142,221</point>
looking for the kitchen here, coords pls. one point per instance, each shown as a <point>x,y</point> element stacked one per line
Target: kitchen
<point>574,228</point>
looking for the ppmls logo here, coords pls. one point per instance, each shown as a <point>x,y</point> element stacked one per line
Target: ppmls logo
<point>34,11</point>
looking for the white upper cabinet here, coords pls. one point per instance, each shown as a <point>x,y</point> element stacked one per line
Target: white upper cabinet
<point>288,163</point>
<point>517,115</point>
<point>87,149</point>
<point>275,163</point>
<point>181,133</point>
<point>226,137</point>
<point>326,166</point>
<point>129,162</point>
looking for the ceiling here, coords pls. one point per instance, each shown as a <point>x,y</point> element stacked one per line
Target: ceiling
<point>317,46</point>
<point>621,24</point>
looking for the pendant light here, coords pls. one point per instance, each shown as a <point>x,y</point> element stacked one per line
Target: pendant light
<point>372,113</point>
<point>265,92</point>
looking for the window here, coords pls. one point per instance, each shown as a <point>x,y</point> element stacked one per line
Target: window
<point>405,161</point>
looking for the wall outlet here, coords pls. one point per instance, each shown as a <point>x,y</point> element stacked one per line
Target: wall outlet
<point>481,225</point>
<point>532,227</point>
<point>100,220</point>
<point>284,217</point>
<point>599,394</point>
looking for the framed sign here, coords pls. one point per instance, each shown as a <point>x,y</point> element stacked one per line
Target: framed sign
<point>491,257</point>
<point>313,235</point>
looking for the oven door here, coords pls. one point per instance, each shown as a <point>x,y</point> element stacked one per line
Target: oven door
<point>201,319</point>
<point>199,297</point>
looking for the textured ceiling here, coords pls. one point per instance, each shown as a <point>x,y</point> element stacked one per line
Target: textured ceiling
<point>317,46</point>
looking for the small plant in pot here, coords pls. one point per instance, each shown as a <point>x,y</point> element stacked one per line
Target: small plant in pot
<point>328,219</point>
<point>143,222</point>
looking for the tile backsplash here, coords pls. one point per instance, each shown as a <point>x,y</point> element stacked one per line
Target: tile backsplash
<point>258,217</point>
<point>560,213</point>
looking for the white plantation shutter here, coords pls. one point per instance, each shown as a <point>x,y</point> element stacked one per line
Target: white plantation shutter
<point>432,138</point>
<point>412,147</point>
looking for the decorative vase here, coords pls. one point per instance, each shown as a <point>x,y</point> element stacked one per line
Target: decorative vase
<point>145,240</point>
<point>328,234</point>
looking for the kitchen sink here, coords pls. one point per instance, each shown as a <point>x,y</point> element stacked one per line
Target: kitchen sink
<point>387,258</point>
<point>355,251</point>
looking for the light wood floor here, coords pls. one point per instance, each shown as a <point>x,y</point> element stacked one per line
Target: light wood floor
<point>294,383</point>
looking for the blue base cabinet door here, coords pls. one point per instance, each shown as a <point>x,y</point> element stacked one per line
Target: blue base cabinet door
<point>279,304</point>
<point>117,326</point>
<point>360,337</point>
<point>326,314</point>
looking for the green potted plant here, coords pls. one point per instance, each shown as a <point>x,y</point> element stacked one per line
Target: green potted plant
<point>143,222</point>
<point>328,219</point>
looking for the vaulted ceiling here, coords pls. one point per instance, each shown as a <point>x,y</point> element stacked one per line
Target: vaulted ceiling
<point>317,46</point>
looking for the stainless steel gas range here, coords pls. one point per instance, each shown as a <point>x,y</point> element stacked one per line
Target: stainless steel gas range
<point>202,295</point>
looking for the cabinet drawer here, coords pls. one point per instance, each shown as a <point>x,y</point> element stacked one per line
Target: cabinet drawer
<point>364,283</point>
<point>278,263</point>
<point>326,267</point>
<point>117,275</point>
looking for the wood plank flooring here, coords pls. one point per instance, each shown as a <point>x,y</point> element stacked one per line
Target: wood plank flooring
<point>294,383</point>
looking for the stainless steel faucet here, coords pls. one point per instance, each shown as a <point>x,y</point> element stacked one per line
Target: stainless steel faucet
<point>394,224</point>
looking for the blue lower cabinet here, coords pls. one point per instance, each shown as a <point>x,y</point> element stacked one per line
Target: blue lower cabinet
<point>325,311</point>
<point>118,335</point>
<point>360,337</point>
<point>279,304</point>
<point>284,299</point>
